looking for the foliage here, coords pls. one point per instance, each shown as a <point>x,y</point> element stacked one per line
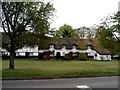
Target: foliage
<point>42,22</point>
<point>23,18</point>
<point>67,57</point>
<point>112,22</point>
<point>75,55</point>
<point>116,26</point>
<point>106,33</point>
<point>65,31</point>
<point>82,56</point>
<point>116,18</point>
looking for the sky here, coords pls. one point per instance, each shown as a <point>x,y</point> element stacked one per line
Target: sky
<point>78,13</point>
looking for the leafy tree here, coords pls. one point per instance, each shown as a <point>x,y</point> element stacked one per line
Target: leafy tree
<point>116,26</point>
<point>65,31</point>
<point>82,32</point>
<point>105,36</point>
<point>20,19</point>
<point>112,22</point>
<point>106,33</point>
<point>42,22</point>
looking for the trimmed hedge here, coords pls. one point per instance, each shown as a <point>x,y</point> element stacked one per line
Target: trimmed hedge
<point>82,56</point>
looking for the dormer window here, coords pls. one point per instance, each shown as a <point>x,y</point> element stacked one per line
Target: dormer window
<point>89,47</point>
<point>74,47</point>
<point>51,46</point>
<point>63,46</point>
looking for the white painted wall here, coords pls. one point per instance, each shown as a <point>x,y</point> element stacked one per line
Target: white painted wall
<point>28,49</point>
<point>34,52</point>
<point>102,57</point>
<point>20,54</point>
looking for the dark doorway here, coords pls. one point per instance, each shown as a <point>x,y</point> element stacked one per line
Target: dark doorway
<point>70,55</point>
<point>58,55</point>
<point>27,54</point>
<point>47,56</point>
<point>40,56</point>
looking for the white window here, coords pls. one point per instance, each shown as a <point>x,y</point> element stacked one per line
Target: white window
<point>17,53</point>
<point>51,46</point>
<point>74,47</point>
<point>89,47</point>
<point>31,54</point>
<point>63,46</point>
<point>63,53</point>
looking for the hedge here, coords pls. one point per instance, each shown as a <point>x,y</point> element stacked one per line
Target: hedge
<point>82,56</point>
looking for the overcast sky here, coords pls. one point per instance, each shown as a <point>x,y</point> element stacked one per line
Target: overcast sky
<point>79,13</point>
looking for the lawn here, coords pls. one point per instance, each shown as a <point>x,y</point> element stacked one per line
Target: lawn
<point>55,69</point>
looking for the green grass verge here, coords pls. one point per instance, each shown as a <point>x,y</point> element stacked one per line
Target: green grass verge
<point>56,69</point>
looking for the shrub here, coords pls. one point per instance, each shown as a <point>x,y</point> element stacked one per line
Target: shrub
<point>67,57</point>
<point>75,55</point>
<point>82,56</point>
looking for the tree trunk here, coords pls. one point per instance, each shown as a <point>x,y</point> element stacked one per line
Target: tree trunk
<point>11,63</point>
<point>12,54</point>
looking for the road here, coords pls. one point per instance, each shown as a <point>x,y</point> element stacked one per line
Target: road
<point>88,83</point>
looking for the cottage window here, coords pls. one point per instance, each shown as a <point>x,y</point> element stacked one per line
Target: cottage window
<point>51,46</point>
<point>74,47</point>
<point>63,53</point>
<point>89,47</point>
<point>31,53</point>
<point>3,53</point>
<point>63,46</point>
<point>17,53</point>
<point>95,54</point>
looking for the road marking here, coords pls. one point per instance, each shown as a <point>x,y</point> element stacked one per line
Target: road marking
<point>85,87</point>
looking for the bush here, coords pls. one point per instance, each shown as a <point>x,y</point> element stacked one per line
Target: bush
<point>82,56</point>
<point>67,57</point>
<point>75,55</point>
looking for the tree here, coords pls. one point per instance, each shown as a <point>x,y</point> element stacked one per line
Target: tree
<point>105,36</point>
<point>107,40</point>
<point>91,32</point>
<point>112,22</point>
<point>65,31</point>
<point>21,18</point>
<point>116,26</point>
<point>108,27</point>
<point>41,24</point>
<point>82,32</point>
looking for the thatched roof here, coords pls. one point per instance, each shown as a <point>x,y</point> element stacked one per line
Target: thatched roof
<point>68,42</point>
<point>102,51</point>
<point>95,44</point>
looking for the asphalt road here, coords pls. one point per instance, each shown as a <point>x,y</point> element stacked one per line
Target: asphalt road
<point>88,83</point>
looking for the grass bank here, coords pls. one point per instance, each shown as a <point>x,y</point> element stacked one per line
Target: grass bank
<point>55,69</point>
